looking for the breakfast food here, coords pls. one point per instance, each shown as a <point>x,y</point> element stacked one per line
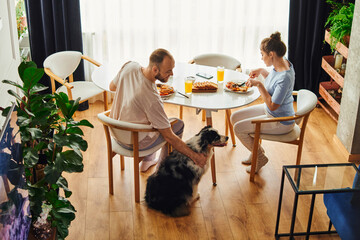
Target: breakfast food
<point>237,87</point>
<point>164,89</point>
<point>207,85</point>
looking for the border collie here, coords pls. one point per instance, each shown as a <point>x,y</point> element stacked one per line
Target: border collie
<point>173,187</point>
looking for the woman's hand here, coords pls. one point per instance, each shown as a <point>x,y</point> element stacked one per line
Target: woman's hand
<point>256,72</point>
<point>253,82</point>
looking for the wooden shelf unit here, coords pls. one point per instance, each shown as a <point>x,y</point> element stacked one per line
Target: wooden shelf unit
<point>332,105</point>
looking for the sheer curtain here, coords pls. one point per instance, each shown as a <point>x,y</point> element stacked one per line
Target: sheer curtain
<point>120,30</point>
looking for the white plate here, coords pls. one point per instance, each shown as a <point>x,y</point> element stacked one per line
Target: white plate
<point>229,90</point>
<point>169,95</point>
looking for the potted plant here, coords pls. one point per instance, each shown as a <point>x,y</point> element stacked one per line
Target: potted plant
<point>52,143</point>
<point>340,22</point>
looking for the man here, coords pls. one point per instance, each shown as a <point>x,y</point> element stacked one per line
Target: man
<point>137,101</point>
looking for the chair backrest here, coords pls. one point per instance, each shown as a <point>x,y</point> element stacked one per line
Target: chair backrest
<point>216,59</point>
<point>63,64</point>
<point>306,102</point>
<point>122,131</point>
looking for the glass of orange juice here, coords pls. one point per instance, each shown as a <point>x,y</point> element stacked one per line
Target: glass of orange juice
<point>220,73</point>
<point>188,84</point>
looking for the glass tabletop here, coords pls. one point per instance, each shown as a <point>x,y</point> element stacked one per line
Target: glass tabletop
<point>323,178</point>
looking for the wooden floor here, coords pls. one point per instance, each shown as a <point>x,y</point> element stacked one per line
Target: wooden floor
<point>234,209</point>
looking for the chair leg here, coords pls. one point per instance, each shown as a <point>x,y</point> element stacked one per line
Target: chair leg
<point>106,106</point>
<point>203,115</point>
<point>226,125</point>
<point>169,147</point>
<point>213,170</point>
<point>255,152</point>
<point>227,120</point>
<point>110,172</point>
<point>181,112</point>
<point>122,165</point>
<point>298,157</point>
<point>136,179</point>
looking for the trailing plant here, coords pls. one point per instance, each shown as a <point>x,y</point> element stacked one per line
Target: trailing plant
<point>339,22</point>
<point>50,137</point>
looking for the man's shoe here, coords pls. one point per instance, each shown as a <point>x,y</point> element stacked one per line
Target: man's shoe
<point>145,165</point>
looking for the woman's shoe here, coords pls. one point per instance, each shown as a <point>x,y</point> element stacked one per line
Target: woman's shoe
<point>247,161</point>
<point>262,161</point>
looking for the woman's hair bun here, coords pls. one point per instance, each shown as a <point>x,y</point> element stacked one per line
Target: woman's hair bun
<point>276,36</point>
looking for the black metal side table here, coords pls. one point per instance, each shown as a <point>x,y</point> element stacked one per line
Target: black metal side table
<point>315,179</point>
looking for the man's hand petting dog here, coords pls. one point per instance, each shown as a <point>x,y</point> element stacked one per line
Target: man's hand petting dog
<point>199,159</point>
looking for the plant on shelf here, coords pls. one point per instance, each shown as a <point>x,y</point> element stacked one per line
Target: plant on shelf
<point>52,143</point>
<point>20,18</point>
<point>339,22</point>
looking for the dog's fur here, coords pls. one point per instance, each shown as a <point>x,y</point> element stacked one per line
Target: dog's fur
<point>173,187</point>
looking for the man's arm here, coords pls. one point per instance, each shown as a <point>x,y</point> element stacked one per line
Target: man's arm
<point>179,145</point>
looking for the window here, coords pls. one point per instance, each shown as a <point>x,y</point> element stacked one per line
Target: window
<point>121,30</point>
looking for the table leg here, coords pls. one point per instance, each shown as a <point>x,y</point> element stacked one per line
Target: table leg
<point>213,170</point>
<point>293,216</point>
<point>228,115</point>
<point>310,216</point>
<point>279,205</point>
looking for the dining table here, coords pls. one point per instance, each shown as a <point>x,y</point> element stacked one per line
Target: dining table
<point>222,99</point>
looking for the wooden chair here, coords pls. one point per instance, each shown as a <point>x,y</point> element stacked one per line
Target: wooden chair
<point>214,60</point>
<point>306,102</point>
<point>61,65</point>
<point>128,133</point>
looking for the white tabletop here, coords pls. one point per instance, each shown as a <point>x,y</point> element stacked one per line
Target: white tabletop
<point>211,101</point>
<point>103,75</point>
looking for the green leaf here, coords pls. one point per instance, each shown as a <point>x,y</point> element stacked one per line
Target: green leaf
<point>52,174</point>
<point>35,132</point>
<point>85,123</point>
<point>77,142</point>
<point>64,184</point>
<point>31,76</point>
<point>74,107</point>
<point>31,157</point>
<point>69,161</point>
<point>12,83</point>
<point>11,92</point>
<point>23,121</point>
<point>38,88</point>
<point>25,65</point>
<point>74,130</point>
<point>52,196</point>
<point>5,112</point>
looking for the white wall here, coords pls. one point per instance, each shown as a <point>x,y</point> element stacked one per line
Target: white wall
<point>9,51</point>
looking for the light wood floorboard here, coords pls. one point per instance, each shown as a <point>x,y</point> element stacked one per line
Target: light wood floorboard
<point>234,209</point>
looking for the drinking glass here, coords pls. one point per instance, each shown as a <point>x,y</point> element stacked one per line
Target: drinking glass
<point>188,85</point>
<point>220,74</point>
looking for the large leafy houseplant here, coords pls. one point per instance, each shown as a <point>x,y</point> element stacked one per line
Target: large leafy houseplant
<point>339,22</point>
<point>51,140</point>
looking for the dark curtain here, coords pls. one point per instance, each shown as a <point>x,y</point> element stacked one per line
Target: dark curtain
<point>54,26</point>
<point>306,42</point>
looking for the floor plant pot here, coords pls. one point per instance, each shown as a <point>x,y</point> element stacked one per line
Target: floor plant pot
<point>44,233</point>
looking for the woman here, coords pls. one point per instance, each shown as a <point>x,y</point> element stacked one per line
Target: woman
<point>276,93</point>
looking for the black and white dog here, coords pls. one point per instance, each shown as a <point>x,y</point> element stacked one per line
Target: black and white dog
<point>173,187</point>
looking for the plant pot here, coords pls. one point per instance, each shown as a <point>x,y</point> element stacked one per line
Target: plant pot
<point>45,233</point>
<point>347,40</point>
